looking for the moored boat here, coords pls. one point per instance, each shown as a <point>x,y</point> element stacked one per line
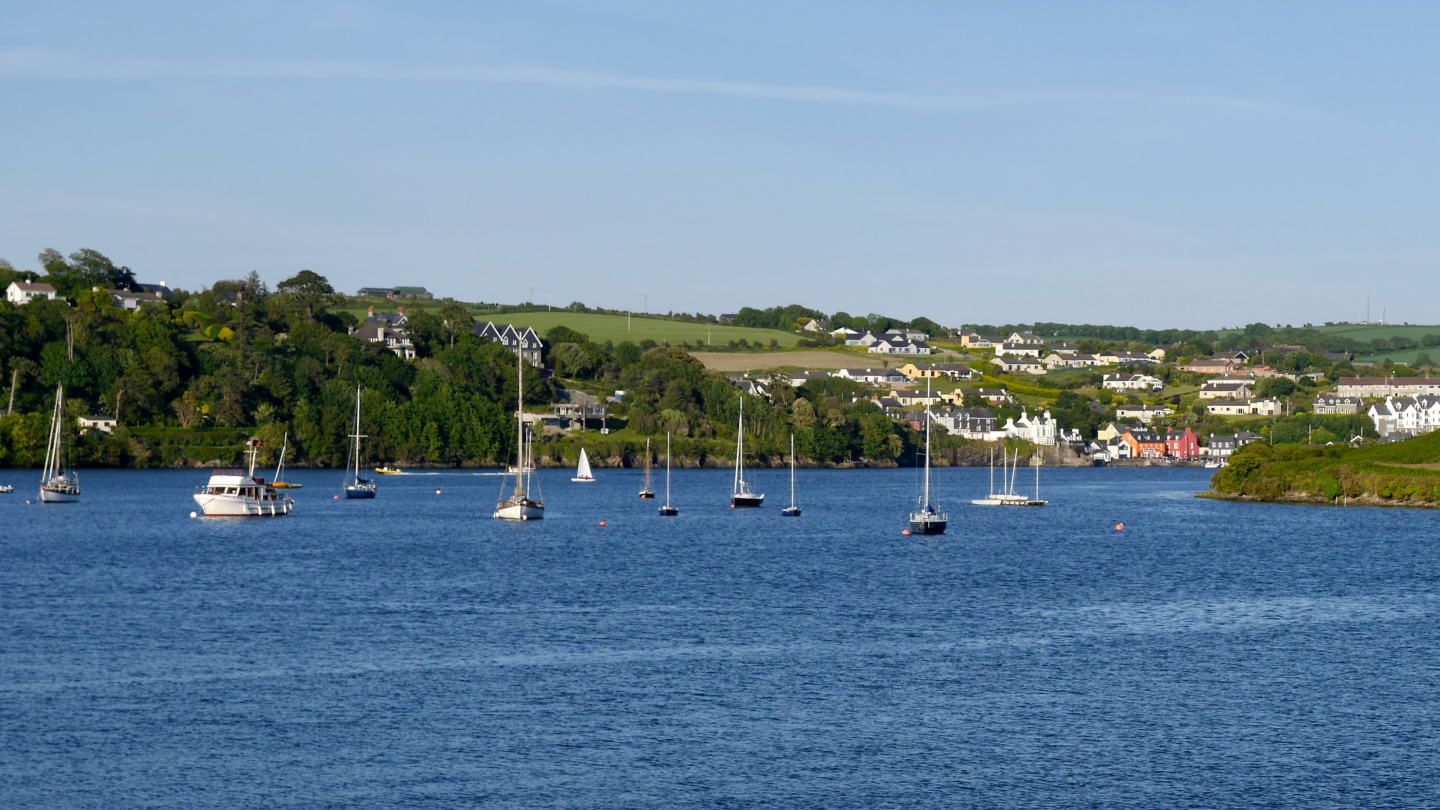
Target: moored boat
<point>743,496</point>
<point>582,470</point>
<point>58,483</point>
<point>927,519</point>
<point>666,510</point>
<point>646,491</point>
<point>280,482</point>
<point>355,486</point>
<point>238,493</point>
<point>793,510</point>
<point>521,505</point>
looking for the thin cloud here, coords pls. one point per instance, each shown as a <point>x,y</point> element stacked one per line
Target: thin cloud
<point>33,64</point>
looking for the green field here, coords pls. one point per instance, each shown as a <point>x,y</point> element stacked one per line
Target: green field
<point>1373,331</point>
<point>615,328</point>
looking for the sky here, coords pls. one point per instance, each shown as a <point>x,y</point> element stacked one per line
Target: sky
<point>1150,164</point>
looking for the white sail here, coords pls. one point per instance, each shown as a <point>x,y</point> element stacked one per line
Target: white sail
<point>582,470</point>
<point>521,505</point>
<point>57,483</point>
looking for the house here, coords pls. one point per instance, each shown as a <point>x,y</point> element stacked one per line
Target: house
<point>1144,443</point>
<point>892,407</point>
<point>1229,407</point>
<point>1381,387</point>
<point>872,376</point>
<point>162,290</point>
<point>130,300</point>
<point>994,396</point>
<point>920,371</point>
<point>521,340</point>
<point>1216,366</point>
<point>893,345</point>
<point>1237,356</point>
<point>971,423</point>
<point>1122,358</point>
<point>1131,382</point>
<point>816,326</point>
<point>866,338</point>
<point>1145,414</point>
<point>971,339</point>
<point>396,319</point>
<point>578,408</point>
<point>1018,365</point>
<point>1071,438</point>
<point>1221,447</point>
<point>1107,451</point>
<point>1072,361</point>
<point>1330,404</point>
<point>845,333</point>
<point>911,397</point>
<point>419,293</point>
<point>1040,430</point>
<point>396,340</point>
<point>1182,444</point>
<point>1027,338</point>
<point>1414,416</point>
<point>23,292</point>
<point>1225,389</point>
<point>104,424</point>
<point>1158,355</point>
<point>906,333</point>
<point>1008,349</point>
<point>799,378</point>
<point>1062,347</point>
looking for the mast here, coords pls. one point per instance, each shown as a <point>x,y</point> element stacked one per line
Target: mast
<point>519,426</point>
<point>647,462</point>
<point>667,468</point>
<point>356,437</point>
<point>285,445</point>
<point>792,470</point>
<point>992,472</point>
<point>740,450</point>
<point>927,456</point>
<point>52,444</point>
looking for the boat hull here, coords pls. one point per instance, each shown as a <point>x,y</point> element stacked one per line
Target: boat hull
<point>668,511</point>
<point>239,506</point>
<point>48,495</point>
<point>791,511</point>
<point>645,493</point>
<point>359,492</point>
<point>583,480</point>
<point>928,525</point>
<point>746,501</point>
<point>520,510</point>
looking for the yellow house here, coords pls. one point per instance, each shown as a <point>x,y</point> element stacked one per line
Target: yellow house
<point>919,371</point>
<point>908,397</point>
<point>1109,432</point>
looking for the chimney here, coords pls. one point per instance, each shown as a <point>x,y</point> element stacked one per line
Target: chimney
<point>372,310</point>
<point>402,310</point>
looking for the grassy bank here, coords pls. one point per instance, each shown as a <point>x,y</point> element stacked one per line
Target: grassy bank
<point>1401,474</point>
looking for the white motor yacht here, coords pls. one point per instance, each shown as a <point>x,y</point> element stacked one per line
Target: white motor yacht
<point>237,493</point>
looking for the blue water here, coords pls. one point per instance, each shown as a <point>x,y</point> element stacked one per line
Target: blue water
<point>412,651</point>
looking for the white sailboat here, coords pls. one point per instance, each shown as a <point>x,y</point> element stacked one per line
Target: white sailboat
<point>235,493</point>
<point>520,505</point>
<point>927,519</point>
<point>793,510</point>
<point>667,510</point>
<point>742,496</point>
<point>355,486</point>
<point>582,470</point>
<point>1007,496</point>
<point>58,483</point>
<point>646,491</point>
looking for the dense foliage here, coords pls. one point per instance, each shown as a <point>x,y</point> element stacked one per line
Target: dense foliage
<point>1400,473</point>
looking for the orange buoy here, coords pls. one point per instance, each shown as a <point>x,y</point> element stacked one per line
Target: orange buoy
<point>906,532</point>
<point>337,497</point>
<point>1119,527</point>
<point>437,492</point>
<point>602,523</point>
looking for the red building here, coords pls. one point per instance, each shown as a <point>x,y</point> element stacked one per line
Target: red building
<point>1180,444</point>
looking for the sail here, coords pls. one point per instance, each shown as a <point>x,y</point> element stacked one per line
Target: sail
<point>583,469</point>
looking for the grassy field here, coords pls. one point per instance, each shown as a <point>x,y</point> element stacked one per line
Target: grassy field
<point>601,328</point>
<point>759,361</point>
<point>1373,331</point>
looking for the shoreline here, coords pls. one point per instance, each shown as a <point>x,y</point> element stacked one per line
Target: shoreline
<point>1316,500</point>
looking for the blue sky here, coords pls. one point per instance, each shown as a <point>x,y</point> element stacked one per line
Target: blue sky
<point>1137,163</point>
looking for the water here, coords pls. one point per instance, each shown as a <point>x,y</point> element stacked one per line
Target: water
<point>410,650</point>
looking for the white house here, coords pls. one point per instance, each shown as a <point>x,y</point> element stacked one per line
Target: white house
<point>873,376</point>
<point>845,333</point>
<point>1075,360</point>
<point>887,345</point>
<point>1034,429</point>
<point>23,292</point>
<point>1008,349</point>
<point>1131,382</point>
<point>396,340</point>
<point>1144,413</point>
<point>1028,338</point>
<point>1412,415</point>
<point>1226,389</point>
<point>104,424</point>
<point>1025,365</point>
<point>128,300</point>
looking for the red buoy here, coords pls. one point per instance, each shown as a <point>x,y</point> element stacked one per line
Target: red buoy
<point>906,532</point>
<point>1119,527</point>
<point>602,523</point>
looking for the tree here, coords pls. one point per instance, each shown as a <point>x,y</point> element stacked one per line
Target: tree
<point>456,319</point>
<point>308,292</point>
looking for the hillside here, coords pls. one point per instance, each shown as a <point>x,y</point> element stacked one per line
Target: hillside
<point>1402,474</point>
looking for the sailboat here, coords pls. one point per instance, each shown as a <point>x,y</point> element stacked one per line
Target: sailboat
<point>582,470</point>
<point>279,482</point>
<point>520,506</point>
<point>667,510</point>
<point>357,487</point>
<point>1007,496</point>
<point>1022,500</point>
<point>742,496</point>
<point>58,484</point>
<point>793,510</point>
<point>646,491</point>
<point>927,519</point>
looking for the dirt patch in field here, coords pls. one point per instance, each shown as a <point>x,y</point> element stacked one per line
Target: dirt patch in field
<point>746,361</point>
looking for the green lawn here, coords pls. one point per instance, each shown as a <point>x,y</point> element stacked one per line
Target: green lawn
<point>1373,331</point>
